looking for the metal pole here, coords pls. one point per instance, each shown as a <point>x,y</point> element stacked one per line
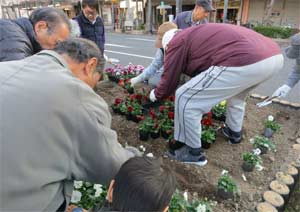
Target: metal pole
<point>150,15</point>
<point>113,15</point>
<point>225,11</point>
<point>178,6</point>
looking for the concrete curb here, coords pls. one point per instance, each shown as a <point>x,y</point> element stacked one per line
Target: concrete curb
<point>277,101</point>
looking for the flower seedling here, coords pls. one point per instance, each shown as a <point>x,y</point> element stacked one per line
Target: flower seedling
<point>208,136</point>
<point>272,124</point>
<point>250,160</point>
<point>227,188</point>
<point>219,111</point>
<point>264,144</point>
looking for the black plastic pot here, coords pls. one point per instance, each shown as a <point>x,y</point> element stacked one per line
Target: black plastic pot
<point>129,117</point>
<point>247,167</point>
<point>263,149</point>
<point>135,119</point>
<point>144,136</point>
<point>130,90</point>
<point>116,110</point>
<point>205,145</point>
<point>165,135</point>
<point>224,194</point>
<point>154,135</point>
<point>268,133</point>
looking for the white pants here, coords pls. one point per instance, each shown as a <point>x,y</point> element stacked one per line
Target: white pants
<point>202,92</point>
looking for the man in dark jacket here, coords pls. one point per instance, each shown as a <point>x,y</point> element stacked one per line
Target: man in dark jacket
<point>91,25</point>
<point>225,62</point>
<point>24,37</point>
<point>196,16</point>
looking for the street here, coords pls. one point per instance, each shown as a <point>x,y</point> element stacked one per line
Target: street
<point>139,49</point>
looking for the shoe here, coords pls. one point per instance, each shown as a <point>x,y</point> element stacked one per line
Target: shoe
<point>188,155</point>
<point>174,145</point>
<point>234,137</point>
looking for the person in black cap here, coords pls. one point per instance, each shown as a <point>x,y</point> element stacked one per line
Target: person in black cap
<point>196,16</point>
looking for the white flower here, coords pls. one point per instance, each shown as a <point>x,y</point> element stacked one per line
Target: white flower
<point>257,151</point>
<point>98,192</point>
<point>251,140</point>
<point>259,167</point>
<point>185,196</point>
<point>142,148</point>
<point>201,208</point>
<point>270,118</point>
<point>97,187</point>
<point>76,196</point>
<point>224,172</point>
<point>150,155</point>
<point>78,184</point>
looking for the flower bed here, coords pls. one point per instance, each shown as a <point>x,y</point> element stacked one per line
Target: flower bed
<point>221,155</point>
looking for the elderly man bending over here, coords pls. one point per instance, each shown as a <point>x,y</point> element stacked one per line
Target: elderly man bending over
<point>54,128</point>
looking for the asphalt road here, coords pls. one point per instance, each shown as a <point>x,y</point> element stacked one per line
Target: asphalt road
<point>139,49</point>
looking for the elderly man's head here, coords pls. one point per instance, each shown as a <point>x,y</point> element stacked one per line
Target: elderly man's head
<point>84,58</point>
<point>50,26</point>
<point>202,10</point>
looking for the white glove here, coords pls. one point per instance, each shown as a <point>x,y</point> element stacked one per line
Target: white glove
<point>136,80</point>
<point>152,96</point>
<point>134,151</point>
<point>282,91</point>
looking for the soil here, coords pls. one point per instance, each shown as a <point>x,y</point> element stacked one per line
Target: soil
<point>221,155</point>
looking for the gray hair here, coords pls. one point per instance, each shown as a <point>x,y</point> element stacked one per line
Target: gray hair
<point>51,16</point>
<point>81,50</point>
<point>75,29</point>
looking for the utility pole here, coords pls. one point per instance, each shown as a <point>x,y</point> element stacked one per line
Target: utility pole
<point>225,11</point>
<point>178,6</point>
<point>150,15</point>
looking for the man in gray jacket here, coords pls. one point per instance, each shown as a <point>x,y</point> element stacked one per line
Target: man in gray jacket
<point>54,128</point>
<point>196,16</point>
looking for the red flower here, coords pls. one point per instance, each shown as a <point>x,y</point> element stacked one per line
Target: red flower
<point>121,82</point>
<point>127,81</point>
<point>129,109</point>
<point>172,98</point>
<point>138,96</point>
<point>140,118</point>
<point>161,108</point>
<point>132,97</point>
<point>118,101</point>
<point>155,126</point>
<point>152,114</point>
<point>207,119</point>
<point>171,115</point>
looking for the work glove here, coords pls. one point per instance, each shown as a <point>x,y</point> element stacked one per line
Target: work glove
<point>134,151</point>
<point>152,96</point>
<point>282,91</point>
<point>136,80</point>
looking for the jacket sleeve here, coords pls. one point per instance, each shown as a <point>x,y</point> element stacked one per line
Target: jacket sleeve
<point>294,76</point>
<point>293,51</point>
<point>174,64</point>
<point>155,66</point>
<point>97,155</point>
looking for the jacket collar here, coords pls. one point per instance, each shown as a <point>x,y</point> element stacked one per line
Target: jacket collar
<point>27,27</point>
<point>86,20</point>
<point>56,57</point>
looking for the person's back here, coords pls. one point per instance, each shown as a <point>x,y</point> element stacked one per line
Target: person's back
<point>54,129</point>
<point>17,39</point>
<point>221,44</point>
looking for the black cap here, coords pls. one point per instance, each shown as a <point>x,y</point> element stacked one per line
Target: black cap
<point>206,4</point>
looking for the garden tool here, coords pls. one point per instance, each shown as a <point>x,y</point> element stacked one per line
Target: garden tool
<point>266,101</point>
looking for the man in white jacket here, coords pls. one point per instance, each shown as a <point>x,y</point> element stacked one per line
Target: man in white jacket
<point>54,128</point>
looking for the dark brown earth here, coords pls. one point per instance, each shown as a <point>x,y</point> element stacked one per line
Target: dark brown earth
<point>222,155</point>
